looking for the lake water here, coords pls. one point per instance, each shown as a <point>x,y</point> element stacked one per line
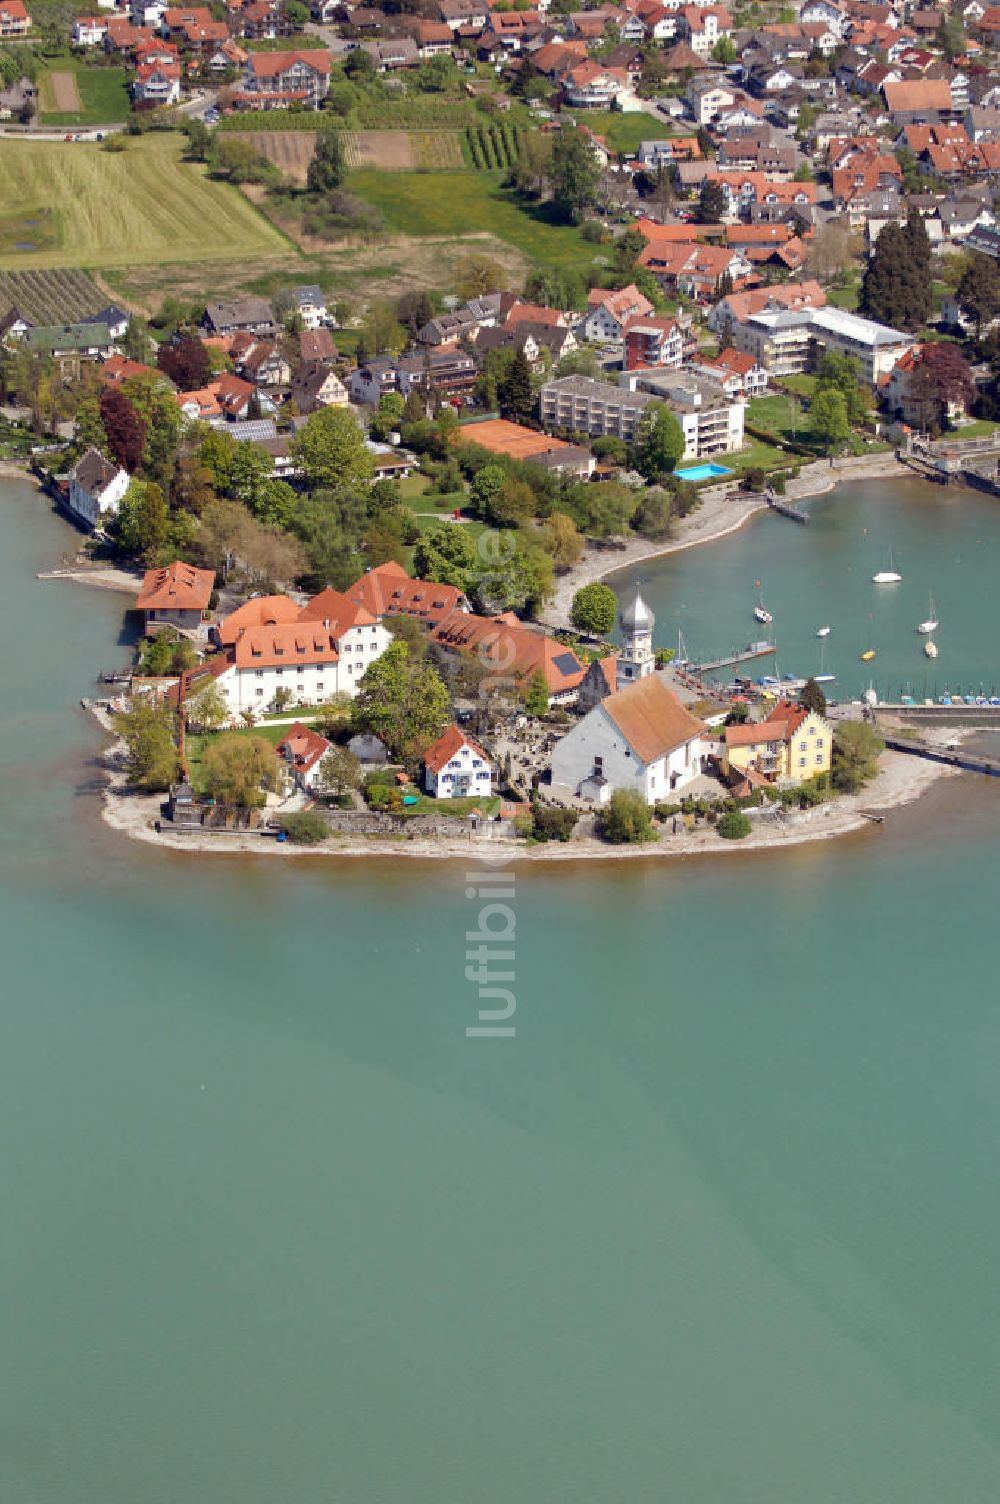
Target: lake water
<point>945,543</point>
<point>719,1224</point>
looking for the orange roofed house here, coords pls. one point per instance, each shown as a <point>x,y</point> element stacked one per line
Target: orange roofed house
<point>639,738</point>
<point>512,651</point>
<point>388,590</point>
<point>303,749</point>
<point>791,743</point>
<point>456,767</point>
<point>314,651</point>
<point>273,80</point>
<point>176,596</point>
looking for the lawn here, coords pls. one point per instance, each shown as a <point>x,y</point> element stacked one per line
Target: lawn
<point>195,748</point>
<point>458,808</point>
<point>759,457</point>
<point>979,429</point>
<point>470,203</point>
<point>103,94</point>
<point>143,205</point>
<point>802,386</point>
<point>844,297</point>
<point>622,132</point>
<point>779,415</point>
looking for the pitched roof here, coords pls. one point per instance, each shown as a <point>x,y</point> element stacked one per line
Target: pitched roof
<point>271,64</point>
<point>651,718</point>
<point>303,747</point>
<point>337,612</point>
<point>278,646</point>
<point>513,648</point>
<point>450,742</point>
<point>916,95</point>
<point>93,472</point>
<point>388,591</point>
<point>261,611</point>
<point>782,722</point>
<point>177,587</point>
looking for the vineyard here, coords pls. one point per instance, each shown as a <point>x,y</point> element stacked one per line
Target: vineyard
<point>493,147</point>
<point>385,115</point>
<point>63,296</point>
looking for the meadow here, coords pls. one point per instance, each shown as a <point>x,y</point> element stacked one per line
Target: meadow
<point>143,205</point>
<point>455,203</point>
<point>103,94</point>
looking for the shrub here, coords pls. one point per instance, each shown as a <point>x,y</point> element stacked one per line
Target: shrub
<point>305,829</point>
<point>553,824</point>
<point>385,799</point>
<point>734,825</point>
<point>628,819</point>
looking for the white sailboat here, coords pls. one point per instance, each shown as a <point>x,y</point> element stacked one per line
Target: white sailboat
<point>822,631</point>
<point>930,649</point>
<point>761,613</point>
<point>925,628</point>
<point>890,576</point>
<point>823,677</point>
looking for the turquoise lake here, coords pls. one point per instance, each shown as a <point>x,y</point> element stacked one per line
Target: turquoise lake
<point>719,1224</point>
<point>945,543</point>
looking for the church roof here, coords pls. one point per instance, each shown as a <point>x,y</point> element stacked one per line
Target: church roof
<point>651,718</point>
<point>637,617</point>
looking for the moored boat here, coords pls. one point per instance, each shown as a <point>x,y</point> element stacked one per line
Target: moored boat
<point>822,631</point>
<point>925,628</point>
<point>930,649</point>
<point>867,656</point>
<point>890,576</point>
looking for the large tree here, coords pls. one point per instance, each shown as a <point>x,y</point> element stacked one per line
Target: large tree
<point>978,291</point>
<point>514,392</point>
<point>327,169</point>
<point>574,173</point>
<point>828,418</point>
<point>239,769</point>
<point>125,429</point>
<point>711,202</point>
<point>660,442</point>
<point>339,772</point>
<point>594,610</point>
<point>896,287</point>
<point>941,378</point>
<point>186,361</point>
<point>331,451</point>
<point>147,729</point>
<point>856,749</point>
<point>404,702</point>
<point>143,521</point>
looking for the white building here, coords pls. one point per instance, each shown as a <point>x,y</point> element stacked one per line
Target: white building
<point>314,651</point>
<point>96,486</point>
<point>310,305</point>
<point>456,767</point>
<point>635,659</point>
<point>711,419</point>
<point>303,750</point>
<point>579,404</point>
<point>640,738</point>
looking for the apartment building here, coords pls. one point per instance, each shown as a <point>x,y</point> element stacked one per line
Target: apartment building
<point>579,404</point>
<point>712,420</point>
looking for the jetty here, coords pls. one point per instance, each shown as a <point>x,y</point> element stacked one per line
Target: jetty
<point>786,508</point>
<point>969,762</point>
<point>738,655</point>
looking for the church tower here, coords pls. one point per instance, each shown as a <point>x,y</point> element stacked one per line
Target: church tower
<point>635,656</point>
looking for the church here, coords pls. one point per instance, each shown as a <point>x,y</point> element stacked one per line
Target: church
<point>637,735</point>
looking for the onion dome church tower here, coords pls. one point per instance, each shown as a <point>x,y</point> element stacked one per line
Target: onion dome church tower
<point>635,656</point>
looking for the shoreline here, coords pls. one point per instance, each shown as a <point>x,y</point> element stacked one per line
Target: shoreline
<point>901,780</point>
<point>718,516</point>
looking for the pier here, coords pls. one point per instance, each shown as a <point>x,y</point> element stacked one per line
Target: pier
<point>786,508</point>
<point>969,762</point>
<point>738,655</point>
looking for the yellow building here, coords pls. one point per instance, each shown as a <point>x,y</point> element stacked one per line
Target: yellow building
<point>793,743</point>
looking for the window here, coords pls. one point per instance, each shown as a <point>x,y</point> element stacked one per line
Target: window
<point>802,762</point>
<point>819,742</point>
<point>803,746</point>
<point>260,691</point>
<point>258,673</point>
<point>819,757</point>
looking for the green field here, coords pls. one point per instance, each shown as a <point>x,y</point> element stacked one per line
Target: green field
<point>456,203</point>
<point>624,133</point>
<point>143,205</point>
<point>103,91</point>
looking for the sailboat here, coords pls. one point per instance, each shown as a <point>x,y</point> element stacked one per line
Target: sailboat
<point>925,628</point>
<point>930,649</point>
<point>890,576</point>
<point>681,659</point>
<point>823,677</point>
<point>822,631</point>
<point>867,657</point>
<point>761,612</point>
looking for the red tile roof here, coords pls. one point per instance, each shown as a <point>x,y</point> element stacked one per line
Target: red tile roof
<point>177,587</point>
<point>651,718</point>
<point>450,742</point>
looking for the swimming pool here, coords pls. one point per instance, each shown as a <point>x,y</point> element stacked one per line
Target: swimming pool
<point>702,472</point>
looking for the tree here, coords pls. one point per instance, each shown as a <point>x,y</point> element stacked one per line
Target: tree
<point>446,555</point>
<point>199,140</point>
<point>382,333</point>
<point>978,291</point>
<point>652,517</point>
<point>125,429</point>
<point>724,51</point>
<point>476,274</point>
<point>208,709</point>
<point>711,202</point>
<point>951,37</point>
<point>239,769</point>
<point>828,418</point>
<point>594,610</point>
<point>514,392</point>
<point>413,310</point>
<point>186,362</point>
<point>330,448</point>
<point>143,521</point>
<point>812,698</point>
<point>536,695</point>
<point>561,540</point>
<point>896,286</point>
<point>486,486</point>
<point>529,175</point>
<point>941,379</point>
<point>627,820</point>
<point>513,504</point>
<point>574,173</point>
<point>856,750</point>
<point>339,772</point>
<point>660,442</point>
<point>327,168</point>
<point>334,715</point>
<point>305,827</point>
<point>89,428</point>
<point>843,372</point>
<point>147,729</point>
<point>734,825</point>
<point>404,702</point>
